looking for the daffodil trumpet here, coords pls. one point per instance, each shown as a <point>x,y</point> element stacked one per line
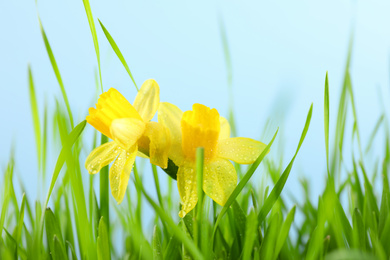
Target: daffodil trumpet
<point>132,132</point>
<point>203,127</point>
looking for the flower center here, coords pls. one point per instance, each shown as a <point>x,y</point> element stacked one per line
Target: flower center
<point>200,128</point>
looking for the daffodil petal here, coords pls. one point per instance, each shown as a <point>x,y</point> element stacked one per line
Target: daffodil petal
<point>160,142</point>
<point>225,128</point>
<point>120,173</point>
<point>170,116</point>
<point>219,180</point>
<point>200,127</point>
<point>127,131</point>
<point>240,149</point>
<point>186,183</point>
<point>101,156</point>
<point>147,100</point>
<point>111,105</point>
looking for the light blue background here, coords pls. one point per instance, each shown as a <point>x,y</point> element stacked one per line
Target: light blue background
<point>280,53</point>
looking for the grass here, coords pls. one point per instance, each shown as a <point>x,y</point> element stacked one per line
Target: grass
<point>255,223</point>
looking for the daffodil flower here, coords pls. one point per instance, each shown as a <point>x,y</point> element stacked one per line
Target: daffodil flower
<point>203,127</point>
<point>130,128</point>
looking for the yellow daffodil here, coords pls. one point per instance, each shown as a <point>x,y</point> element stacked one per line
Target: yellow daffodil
<point>203,127</point>
<point>130,128</point>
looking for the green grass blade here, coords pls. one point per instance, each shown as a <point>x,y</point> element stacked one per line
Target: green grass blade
<point>56,71</point>
<point>59,250</point>
<point>53,234</point>
<point>35,115</point>
<point>284,230</point>
<point>117,52</point>
<point>103,241</point>
<point>157,251</point>
<point>72,138</point>
<point>176,230</point>
<point>374,133</point>
<point>104,190</point>
<point>359,232</point>
<point>326,119</point>
<point>94,37</point>
<point>250,235</point>
<point>269,242</point>
<point>21,218</point>
<point>199,184</point>
<point>157,185</point>
<point>277,190</point>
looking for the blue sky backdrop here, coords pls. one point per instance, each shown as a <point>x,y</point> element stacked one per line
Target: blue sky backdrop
<point>280,52</point>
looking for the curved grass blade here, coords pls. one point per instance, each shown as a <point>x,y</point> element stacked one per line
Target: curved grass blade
<point>94,37</point>
<point>56,71</point>
<point>277,190</point>
<point>326,120</point>
<point>242,183</point>
<point>35,115</point>
<point>71,139</point>
<point>21,217</point>
<point>118,52</point>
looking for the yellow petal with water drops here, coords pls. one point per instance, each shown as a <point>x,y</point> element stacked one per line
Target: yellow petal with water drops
<point>170,116</point>
<point>127,131</point>
<point>200,128</point>
<point>240,149</point>
<point>111,105</point>
<point>120,173</point>
<point>101,156</point>
<point>219,180</point>
<point>147,100</point>
<point>225,128</point>
<point>160,143</point>
<point>186,183</point>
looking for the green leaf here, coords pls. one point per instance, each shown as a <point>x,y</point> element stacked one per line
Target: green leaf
<point>277,190</point>
<point>103,242</point>
<point>117,52</point>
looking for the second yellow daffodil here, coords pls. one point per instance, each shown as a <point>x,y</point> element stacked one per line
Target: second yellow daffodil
<point>130,128</point>
<point>203,127</point>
